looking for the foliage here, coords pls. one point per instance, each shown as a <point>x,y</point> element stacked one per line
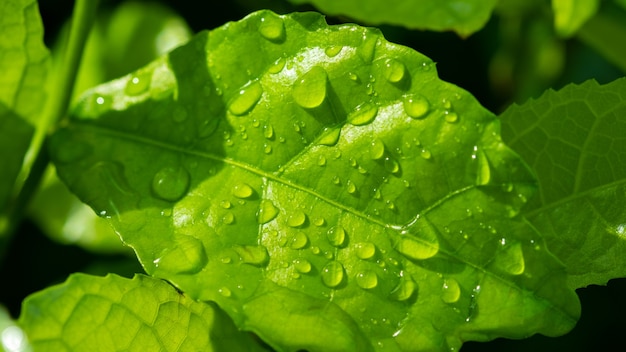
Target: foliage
<point>329,185</point>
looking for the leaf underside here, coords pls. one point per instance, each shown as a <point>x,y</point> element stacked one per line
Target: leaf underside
<point>461,16</point>
<point>316,180</point>
<point>574,140</point>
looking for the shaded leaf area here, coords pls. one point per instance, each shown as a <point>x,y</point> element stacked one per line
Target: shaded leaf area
<point>570,15</point>
<point>461,16</point>
<point>574,140</point>
<point>111,313</point>
<point>317,180</point>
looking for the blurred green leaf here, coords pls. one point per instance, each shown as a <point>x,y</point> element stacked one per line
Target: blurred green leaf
<point>12,337</point>
<point>574,140</point>
<point>462,16</point>
<point>605,33</point>
<point>318,180</point>
<point>111,313</point>
<point>570,15</point>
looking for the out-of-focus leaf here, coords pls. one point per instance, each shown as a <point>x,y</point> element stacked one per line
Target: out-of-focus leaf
<point>575,141</point>
<point>462,16</point>
<point>323,186</point>
<point>605,32</point>
<point>570,15</point>
<point>111,313</point>
<point>12,337</point>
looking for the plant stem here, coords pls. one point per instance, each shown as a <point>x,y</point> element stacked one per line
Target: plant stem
<point>37,158</point>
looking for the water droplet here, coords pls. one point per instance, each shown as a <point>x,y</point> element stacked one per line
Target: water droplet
<point>277,66</point>
<point>226,260</point>
<point>336,180</point>
<point>391,165</point>
<point>350,187</point>
<point>416,250</point>
<point>483,169</point>
<point>365,250</point>
<point>394,70</point>
<point>336,236</point>
<point>228,218</point>
<point>309,91</point>
<point>224,291</point>
<point>138,83</point>
<point>242,191</point>
<point>377,149</point>
<point>511,258</point>
<point>404,290</point>
<point>268,131</point>
<point>451,116</point>
<point>333,50</point>
<point>184,255</point>
<point>450,291</point>
<point>253,255</point>
<point>267,149</point>
<point>272,27</point>
<point>332,274</point>
<point>302,265</point>
<point>363,114</point>
<point>426,154</point>
<point>330,136</point>
<point>296,219</point>
<point>416,106</point>
<point>321,161</point>
<point>246,99</point>
<point>170,183</point>
<point>368,47</point>
<point>267,211</point>
<point>353,76</point>
<point>367,279</point>
<point>299,241</point>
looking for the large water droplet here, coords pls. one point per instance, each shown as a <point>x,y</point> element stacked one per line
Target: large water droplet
<point>242,190</point>
<point>277,66</point>
<point>363,114</point>
<point>185,255</point>
<point>267,211</point>
<point>350,187</point>
<point>377,149</point>
<point>333,50</point>
<point>392,165</point>
<point>253,255</point>
<point>404,290</point>
<point>416,250</point>
<point>367,279</point>
<point>309,91</point>
<point>138,83</point>
<point>511,258</point>
<point>272,27</point>
<point>450,291</point>
<point>483,169</point>
<point>171,183</point>
<point>336,236</point>
<point>330,136</point>
<point>416,106</point>
<point>228,218</point>
<point>246,99</point>
<point>365,250</point>
<point>296,219</point>
<point>394,70</point>
<point>302,265</point>
<point>451,116</point>
<point>299,241</point>
<point>332,274</point>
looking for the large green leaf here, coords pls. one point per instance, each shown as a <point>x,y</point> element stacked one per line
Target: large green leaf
<point>322,185</point>
<point>112,313</point>
<point>462,16</point>
<point>574,139</point>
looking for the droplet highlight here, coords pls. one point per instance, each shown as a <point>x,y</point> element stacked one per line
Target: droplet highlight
<point>309,91</point>
<point>171,183</point>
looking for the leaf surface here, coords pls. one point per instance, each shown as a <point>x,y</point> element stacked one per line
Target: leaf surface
<point>570,15</point>
<point>462,16</point>
<point>574,140</point>
<point>112,313</point>
<point>318,180</point>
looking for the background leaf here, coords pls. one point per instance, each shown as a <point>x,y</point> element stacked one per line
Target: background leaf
<point>570,15</point>
<point>330,180</point>
<point>89,313</point>
<point>462,16</point>
<point>574,141</point>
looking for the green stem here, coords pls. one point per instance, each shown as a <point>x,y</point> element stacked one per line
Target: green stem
<point>37,159</point>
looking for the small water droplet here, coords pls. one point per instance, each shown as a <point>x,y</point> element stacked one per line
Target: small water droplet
<point>336,180</point>
<point>350,187</point>
<point>336,236</point>
<point>391,165</point>
<point>321,161</point>
<point>267,211</point>
<point>277,66</point>
<point>138,83</point>
<point>268,131</point>
<point>416,250</point>
<point>363,114</point>
<point>483,168</point>
<point>267,149</point>
<point>416,106</point>
<point>367,279</point>
<point>309,91</point>
<point>253,255</point>
<point>296,219</point>
<point>302,265</point>
<point>330,136</point>
<point>246,99</point>
<point>404,290</point>
<point>394,70</point>
<point>333,50</point>
<point>242,190</point>
<point>224,291</point>
<point>332,274</point>
<point>426,154</point>
<point>511,258</point>
<point>353,76</point>
<point>451,116</point>
<point>365,250</point>
<point>299,241</point>
<point>377,194</point>
<point>272,27</point>
<point>184,255</point>
<point>377,149</point>
<point>170,183</point>
<point>319,222</point>
<point>450,291</point>
<point>315,250</point>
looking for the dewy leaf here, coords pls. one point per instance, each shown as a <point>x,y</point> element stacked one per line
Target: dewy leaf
<point>574,139</point>
<point>112,313</point>
<point>323,186</point>
<point>462,16</point>
<point>570,15</point>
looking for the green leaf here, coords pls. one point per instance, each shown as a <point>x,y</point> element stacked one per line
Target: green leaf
<point>570,15</point>
<point>605,32</point>
<point>12,337</point>
<point>574,140</point>
<point>462,16</point>
<point>318,181</point>
<point>112,313</point>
